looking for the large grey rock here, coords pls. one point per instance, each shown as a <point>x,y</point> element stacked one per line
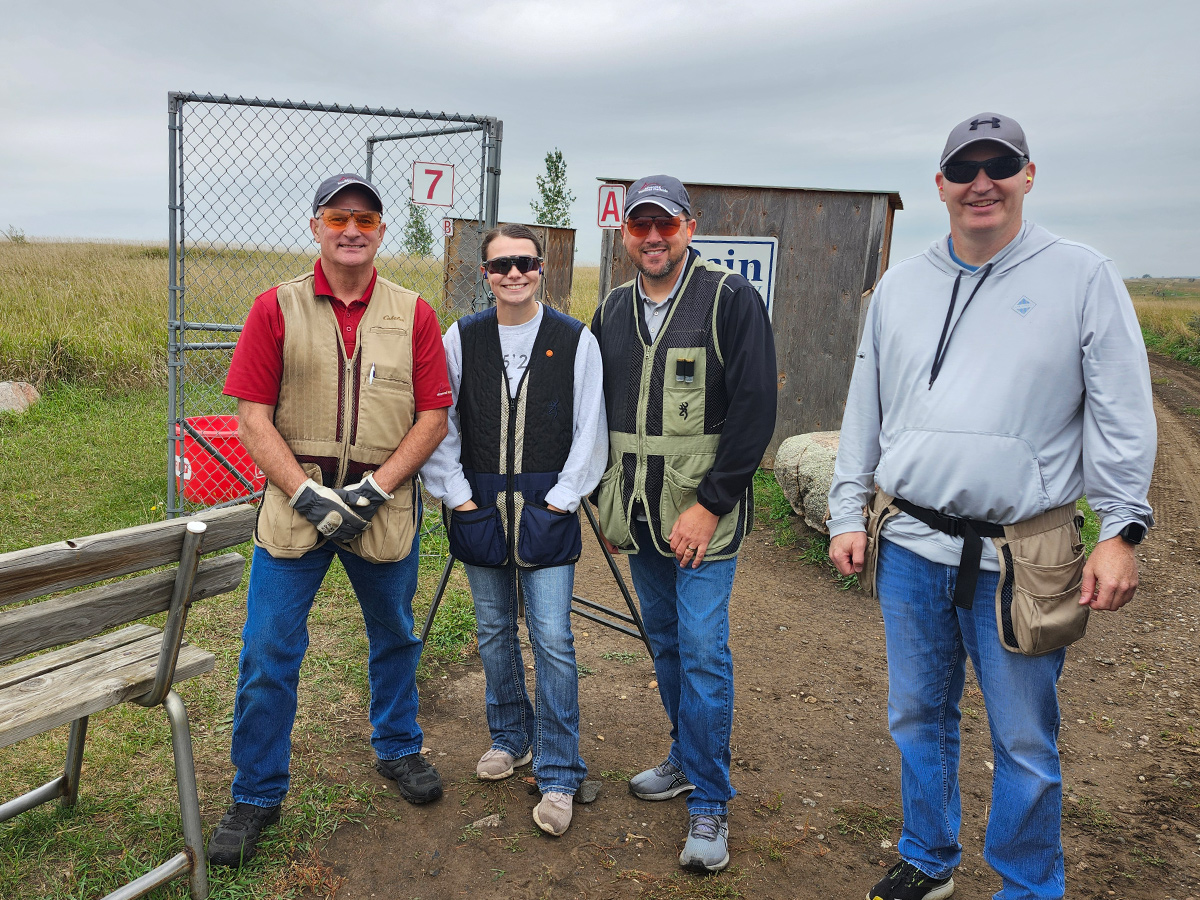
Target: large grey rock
<point>17,396</point>
<point>804,469</point>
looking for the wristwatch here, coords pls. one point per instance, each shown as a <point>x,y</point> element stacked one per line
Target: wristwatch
<point>1133,533</point>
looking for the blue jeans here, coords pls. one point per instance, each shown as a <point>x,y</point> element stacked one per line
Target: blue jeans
<point>928,640</point>
<point>273,643</point>
<point>551,727</point>
<point>686,614</point>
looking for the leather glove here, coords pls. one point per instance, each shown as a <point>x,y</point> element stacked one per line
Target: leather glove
<point>328,511</point>
<point>365,497</point>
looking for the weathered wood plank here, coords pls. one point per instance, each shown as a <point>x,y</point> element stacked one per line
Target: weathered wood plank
<point>98,682</point>
<point>80,615</point>
<point>68,656</point>
<point>67,564</point>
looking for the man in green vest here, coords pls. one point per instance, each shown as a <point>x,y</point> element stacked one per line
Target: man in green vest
<point>342,391</point>
<point>689,388</point>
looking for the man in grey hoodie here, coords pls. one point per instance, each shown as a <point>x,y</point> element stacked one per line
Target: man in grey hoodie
<point>1028,391</point>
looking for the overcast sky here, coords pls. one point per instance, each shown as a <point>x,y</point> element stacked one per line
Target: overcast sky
<point>816,93</point>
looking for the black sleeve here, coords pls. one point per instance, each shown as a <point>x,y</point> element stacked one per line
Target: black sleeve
<point>751,382</point>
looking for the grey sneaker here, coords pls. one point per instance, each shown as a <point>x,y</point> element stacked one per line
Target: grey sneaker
<point>660,783</point>
<point>497,764</point>
<point>707,847</point>
<point>553,813</point>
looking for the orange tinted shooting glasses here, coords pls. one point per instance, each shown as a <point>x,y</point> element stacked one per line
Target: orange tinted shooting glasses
<point>339,219</point>
<point>666,225</point>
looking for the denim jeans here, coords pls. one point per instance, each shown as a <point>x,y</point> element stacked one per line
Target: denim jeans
<point>551,727</point>
<point>928,640</point>
<point>686,614</point>
<point>280,596</point>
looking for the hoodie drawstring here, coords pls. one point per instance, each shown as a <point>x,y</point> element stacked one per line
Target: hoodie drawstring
<point>943,346</point>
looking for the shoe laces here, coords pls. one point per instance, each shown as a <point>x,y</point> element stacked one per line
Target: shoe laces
<point>668,768</point>
<point>706,827</point>
<point>496,753</point>
<point>909,875</point>
<point>246,815</point>
<point>558,799</point>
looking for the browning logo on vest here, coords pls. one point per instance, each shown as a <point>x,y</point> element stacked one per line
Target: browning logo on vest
<point>343,417</point>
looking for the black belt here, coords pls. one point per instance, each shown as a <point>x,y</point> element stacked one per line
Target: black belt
<point>972,532</point>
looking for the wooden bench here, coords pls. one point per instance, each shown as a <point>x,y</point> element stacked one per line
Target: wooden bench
<point>90,671</point>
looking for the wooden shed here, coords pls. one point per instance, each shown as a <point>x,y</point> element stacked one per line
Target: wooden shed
<point>460,281</point>
<point>830,248</point>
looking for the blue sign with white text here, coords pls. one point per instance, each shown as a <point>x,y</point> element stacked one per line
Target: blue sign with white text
<point>751,257</point>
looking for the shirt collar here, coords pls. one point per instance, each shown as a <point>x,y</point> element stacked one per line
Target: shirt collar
<point>322,289</point>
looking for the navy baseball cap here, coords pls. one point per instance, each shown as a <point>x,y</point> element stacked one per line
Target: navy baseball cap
<point>335,183</point>
<point>661,190</point>
<point>986,127</point>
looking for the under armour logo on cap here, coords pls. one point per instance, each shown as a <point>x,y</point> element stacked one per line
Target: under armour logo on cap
<point>994,122</point>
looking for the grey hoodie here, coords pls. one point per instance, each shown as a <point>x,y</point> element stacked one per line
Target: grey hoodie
<point>1043,395</point>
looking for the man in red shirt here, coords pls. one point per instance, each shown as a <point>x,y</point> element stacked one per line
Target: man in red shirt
<point>342,393</point>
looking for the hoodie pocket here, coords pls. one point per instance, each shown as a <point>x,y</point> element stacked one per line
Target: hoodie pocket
<point>977,475</point>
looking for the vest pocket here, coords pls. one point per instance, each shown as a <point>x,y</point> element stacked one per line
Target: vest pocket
<point>477,536</point>
<point>548,538</point>
<point>683,391</point>
<point>613,520</point>
<point>678,496</point>
<point>280,530</point>
<point>389,537</point>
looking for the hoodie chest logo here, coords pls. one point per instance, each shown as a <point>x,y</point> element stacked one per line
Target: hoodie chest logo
<point>1023,307</point>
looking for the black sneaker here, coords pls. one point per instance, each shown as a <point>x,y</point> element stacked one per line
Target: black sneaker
<point>415,776</point>
<point>904,881</point>
<point>235,839</point>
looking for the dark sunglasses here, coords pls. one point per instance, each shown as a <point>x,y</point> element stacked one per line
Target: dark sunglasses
<point>666,225</point>
<point>997,168</point>
<point>502,265</point>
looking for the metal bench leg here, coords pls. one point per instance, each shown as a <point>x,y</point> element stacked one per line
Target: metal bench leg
<point>70,788</point>
<point>189,803</point>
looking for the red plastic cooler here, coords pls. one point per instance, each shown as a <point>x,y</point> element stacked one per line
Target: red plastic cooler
<point>201,476</point>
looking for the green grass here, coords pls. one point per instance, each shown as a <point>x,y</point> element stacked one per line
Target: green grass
<point>1168,310</point>
<point>772,509</point>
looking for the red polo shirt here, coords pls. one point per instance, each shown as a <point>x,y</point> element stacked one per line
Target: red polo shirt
<point>257,367</point>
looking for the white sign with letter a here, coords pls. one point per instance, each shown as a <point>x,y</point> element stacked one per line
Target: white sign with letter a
<point>754,258</point>
<point>433,184</point>
<point>609,212</point>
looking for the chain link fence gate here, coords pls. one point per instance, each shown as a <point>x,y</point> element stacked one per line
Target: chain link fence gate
<point>242,175</point>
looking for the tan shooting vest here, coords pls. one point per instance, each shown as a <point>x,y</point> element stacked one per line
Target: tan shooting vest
<point>343,417</point>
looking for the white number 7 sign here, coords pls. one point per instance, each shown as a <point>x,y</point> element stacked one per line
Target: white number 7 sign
<point>433,184</point>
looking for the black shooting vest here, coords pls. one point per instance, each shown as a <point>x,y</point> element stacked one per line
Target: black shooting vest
<point>513,448</point>
<point>666,405</point>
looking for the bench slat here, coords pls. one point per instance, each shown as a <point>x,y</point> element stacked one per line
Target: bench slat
<point>67,564</point>
<point>97,682</point>
<point>76,616</point>
<point>69,656</point>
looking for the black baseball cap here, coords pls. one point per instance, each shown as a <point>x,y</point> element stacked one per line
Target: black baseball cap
<point>335,183</point>
<point>986,127</point>
<point>661,190</point>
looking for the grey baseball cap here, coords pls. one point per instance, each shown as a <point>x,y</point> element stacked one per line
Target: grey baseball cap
<point>986,127</point>
<point>335,183</point>
<point>661,190</point>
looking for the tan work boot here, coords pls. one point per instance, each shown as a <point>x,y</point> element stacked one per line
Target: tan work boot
<point>553,814</point>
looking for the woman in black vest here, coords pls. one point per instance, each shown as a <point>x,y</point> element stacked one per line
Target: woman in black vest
<point>528,439</point>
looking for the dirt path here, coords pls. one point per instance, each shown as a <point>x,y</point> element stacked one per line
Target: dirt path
<point>817,813</point>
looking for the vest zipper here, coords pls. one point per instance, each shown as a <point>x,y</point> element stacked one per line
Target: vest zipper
<point>349,397</point>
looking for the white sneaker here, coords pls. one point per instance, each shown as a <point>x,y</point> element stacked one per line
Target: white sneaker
<point>497,764</point>
<point>553,814</point>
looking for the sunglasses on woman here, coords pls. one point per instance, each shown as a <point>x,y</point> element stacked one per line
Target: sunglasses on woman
<point>339,219</point>
<point>502,265</point>
<point>666,225</point>
<point>997,168</point>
